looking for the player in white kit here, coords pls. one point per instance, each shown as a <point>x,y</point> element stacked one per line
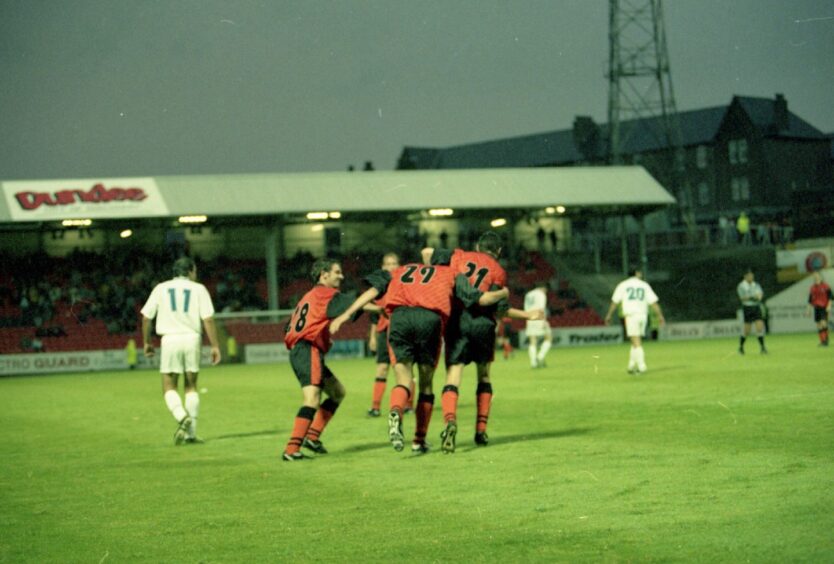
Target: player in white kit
<point>538,330</point>
<point>636,296</point>
<point>182,307</point>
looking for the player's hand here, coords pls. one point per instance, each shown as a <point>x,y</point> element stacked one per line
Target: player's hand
<point>337,323</point>
<point>372,344</point>
<point>215,355</point>
<point>148,350</point>
<point>536,315</point>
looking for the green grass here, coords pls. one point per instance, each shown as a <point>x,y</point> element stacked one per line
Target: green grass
<point>708,457</point>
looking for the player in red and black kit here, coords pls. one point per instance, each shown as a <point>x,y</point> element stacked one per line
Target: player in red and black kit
<point>378,340</point>
<point>820,298</point>
<point>308,340</point>
<point>470,332</point>
<point>418,300</point>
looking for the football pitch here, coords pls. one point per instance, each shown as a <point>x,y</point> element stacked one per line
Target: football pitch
<point>709,456</point>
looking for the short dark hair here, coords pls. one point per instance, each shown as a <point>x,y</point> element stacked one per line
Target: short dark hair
<point>490,242</point>
<point>321,265</point>
<point>183,266</point>
<point>633,271</point>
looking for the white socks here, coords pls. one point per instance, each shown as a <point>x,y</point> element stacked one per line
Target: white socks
<point>174,403</point>
<point>192,405</point>
<point>637,359</point>
<point>531,350</point>
<point>543,350</point>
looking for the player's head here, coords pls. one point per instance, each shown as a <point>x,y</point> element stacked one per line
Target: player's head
<point>327,272</point>
<point>749,275</point>
<point>635,273</point>
<point>184,266</point>
<point>390,262</point>
<point>489,243</point>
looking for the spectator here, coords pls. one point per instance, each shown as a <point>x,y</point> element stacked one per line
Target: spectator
<point>743,228</point>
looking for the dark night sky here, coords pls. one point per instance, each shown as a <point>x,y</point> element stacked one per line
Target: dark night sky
<point>94,88</point>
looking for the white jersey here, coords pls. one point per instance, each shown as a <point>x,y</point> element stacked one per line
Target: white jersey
<point>535,299</point>
<point>636,296</point>
<point>179,306</point>
<point>750,293</point>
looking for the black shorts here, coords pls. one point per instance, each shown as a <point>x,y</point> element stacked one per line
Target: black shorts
<point>382,356</point>
<point>752,313</point>
<point>820,314</point>
<point>470,339</point>
<point>415,335</point>
<point>308,364</point>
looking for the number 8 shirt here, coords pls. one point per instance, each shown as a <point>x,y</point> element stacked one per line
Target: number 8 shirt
<point>311,319</point>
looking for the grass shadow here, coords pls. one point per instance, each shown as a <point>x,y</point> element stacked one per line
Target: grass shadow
<point>271,433</point>
<point>529,437</point>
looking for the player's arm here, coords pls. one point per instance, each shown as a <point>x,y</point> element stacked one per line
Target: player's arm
<point>373,308</point>
<point>611,309</point>
<point>211,333</point>
<point>531,315</point>
<point>146,337</point>
<point>366,297</point>
<point>441,257</point>
<point>379,281</point>
<point>657,311</point>
<point>372,338</point>
<point>470,295</point>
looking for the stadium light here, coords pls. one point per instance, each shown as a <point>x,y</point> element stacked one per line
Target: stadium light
<point>441,212</point>
<point>550,209</point>
<point>560,209</point>
<point>317,227</point>
<point>498,222</point>
<point>77,222</point>
<point>126,233</point>
<point>335,215</point>
<point>193,219</point>
<point>317,215</point>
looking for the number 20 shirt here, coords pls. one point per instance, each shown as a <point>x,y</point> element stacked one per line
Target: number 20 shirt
<point>635,295</point>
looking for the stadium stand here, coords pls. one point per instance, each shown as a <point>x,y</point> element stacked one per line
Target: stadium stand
<point>88,301</point>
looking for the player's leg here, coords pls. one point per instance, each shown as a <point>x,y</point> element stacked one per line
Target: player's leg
<point>192,405</point>
<point>380,383</point>
<point>547,341</point>
<point>335,391</point>
<point>457,344</point>
<point>172,396</point>
<point>423,409</point>
<point>634,334</point>
<point>192,395</point>
<point>428,344</point>
<point>483,401</point>
<point>171,365</point>
<point>821,317</point>
<point>760,333</point>
<point>381,377</point>
<point>532,350</point>
<point>744,332</point>
<point>305,361</point>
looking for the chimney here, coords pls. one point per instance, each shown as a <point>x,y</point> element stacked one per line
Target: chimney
<point>585,136</point>
<point>780,113</point>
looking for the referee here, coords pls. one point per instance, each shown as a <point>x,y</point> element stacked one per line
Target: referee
<point>750,294</point>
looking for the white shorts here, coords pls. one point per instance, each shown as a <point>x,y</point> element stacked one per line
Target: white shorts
<point>180,353</point>
<point>537,328</point>
<point>635,325</point>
